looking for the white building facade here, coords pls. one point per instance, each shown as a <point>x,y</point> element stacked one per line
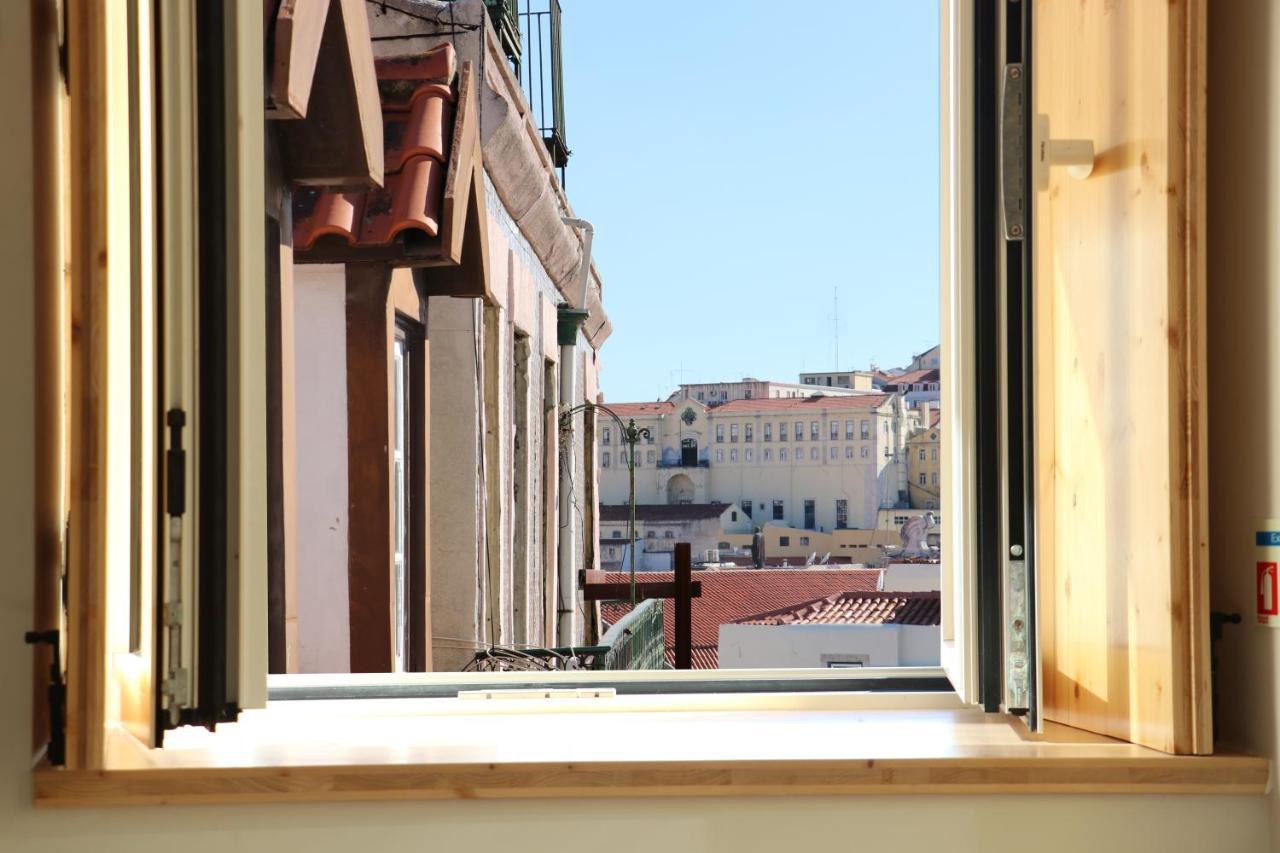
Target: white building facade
<point>817,463</point>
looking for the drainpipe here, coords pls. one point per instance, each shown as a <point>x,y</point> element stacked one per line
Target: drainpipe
<point>568,321</point>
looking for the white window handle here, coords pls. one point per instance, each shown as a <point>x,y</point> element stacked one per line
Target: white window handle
<point>1075,154</point>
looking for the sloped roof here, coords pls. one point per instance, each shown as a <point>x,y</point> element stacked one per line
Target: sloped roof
<point>930,375</point>
<point>662,512</point>
<point>417,117</point>
<point>624,410</point>
<point>856,608</point>
<point>728,595</point>
<point>802,404</point>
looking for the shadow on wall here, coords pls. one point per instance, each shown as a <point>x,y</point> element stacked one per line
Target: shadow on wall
<point>1243,354</point>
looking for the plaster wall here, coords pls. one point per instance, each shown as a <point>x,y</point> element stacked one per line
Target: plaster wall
<point>323,626</point>
<point>814,646</point>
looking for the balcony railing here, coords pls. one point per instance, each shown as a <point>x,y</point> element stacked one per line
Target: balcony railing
<point>636,641</point>
<point>680,463</point>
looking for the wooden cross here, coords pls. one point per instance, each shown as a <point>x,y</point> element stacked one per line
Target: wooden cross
<point>683,589</point>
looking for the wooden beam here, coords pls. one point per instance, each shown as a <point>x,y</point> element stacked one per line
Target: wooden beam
<point>644,590</point>
<point>339,142</point>
<point>684,607</point>
<point>298,26</point>
<point>369,466</point>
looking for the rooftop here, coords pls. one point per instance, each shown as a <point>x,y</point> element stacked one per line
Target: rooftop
<point>662,512</point>
<point>624,410</point>
<point>729,595</point>
<point>801,404</point>
<point>856,608</point>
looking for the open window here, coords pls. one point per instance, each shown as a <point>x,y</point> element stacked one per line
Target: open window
<point>384,265</point>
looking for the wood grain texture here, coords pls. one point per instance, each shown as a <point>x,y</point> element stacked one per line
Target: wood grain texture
<point>369,463</point>
<point>87,509</point>
<point>1120,417</point>
<point>295,49</point>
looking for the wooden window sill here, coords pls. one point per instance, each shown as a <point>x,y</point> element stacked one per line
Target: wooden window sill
<point>404,756</point>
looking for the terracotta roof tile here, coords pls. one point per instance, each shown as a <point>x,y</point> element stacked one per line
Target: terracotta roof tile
<point>662,512</point>
<point>930,375</point>
<point>728,595</point>
<point>417,118</point>
<point>857,608</point>
<point>802,404</point>
<point>624,410</point>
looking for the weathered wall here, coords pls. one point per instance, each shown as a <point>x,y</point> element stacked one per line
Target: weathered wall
<point>766,646</point>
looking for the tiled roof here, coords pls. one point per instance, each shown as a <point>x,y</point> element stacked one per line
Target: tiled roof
<point>417,120</point>
<point>623,410</point>
<point>930,375</point>
<point>935,417</point>
<point>662,512</point>
<point>802,404</point>
<point>731,594</point>
<point>857,608</point>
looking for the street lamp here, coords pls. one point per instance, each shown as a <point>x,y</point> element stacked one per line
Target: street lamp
<point>631,435</point>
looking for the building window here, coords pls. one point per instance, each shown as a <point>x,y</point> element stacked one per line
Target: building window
<point>784,541</point>
<point>749,433</point>
<point>848,430</point>
<point>723,546</point>
<point>719,455</point>
<point>804,541</point>
<point>668,535</point>
<point>747,394</point>
<point>813,453</point>
<point>746,508</point>
<point>778,510</point>
<point>719,433</point>
<point>835,452</point>
<point>648,439</point>
<point>866,430</point>
<point>842,513</point>
<point>651,457</point>
<point>866,451</point>
<point>799,431</point>
<point>935,478</point>
<point>835,429</point>
<point>813,430</point>
<point>768,432</point>
<point>701,396</point>
<point>724,395</point>
<point>923,480</point>
<point>607,436</point>
<point>636,458</point>
<point>733,516</point>
<point>922,454</point>
<point>749,454</point>
<point>617,534</point>
<point>810,514</point>
<point>934,454</point>
<point>652,534</point>
<point>782,432</point>
<point>848,452</point>
<point>733,455</point>
<point>782,454</point>
<point>768,454</point>
<point>604,459</point>
<point>733,433</point>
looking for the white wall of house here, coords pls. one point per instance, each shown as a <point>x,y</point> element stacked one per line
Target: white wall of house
<point>911,577</point>
<point>766,646</point>
<point>322,622</point>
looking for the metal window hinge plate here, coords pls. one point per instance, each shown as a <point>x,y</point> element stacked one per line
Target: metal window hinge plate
<point>1013,152</point>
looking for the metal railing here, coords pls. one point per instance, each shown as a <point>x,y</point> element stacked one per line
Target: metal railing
<point>542,74</point>
<point>636,641</point>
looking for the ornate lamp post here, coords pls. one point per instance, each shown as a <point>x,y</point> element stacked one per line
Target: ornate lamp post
<point>630,435</point>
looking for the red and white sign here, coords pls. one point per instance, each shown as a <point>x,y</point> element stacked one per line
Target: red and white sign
<point>1268,594</point>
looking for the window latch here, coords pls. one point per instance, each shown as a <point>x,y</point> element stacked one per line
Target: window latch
<point>57,693</point>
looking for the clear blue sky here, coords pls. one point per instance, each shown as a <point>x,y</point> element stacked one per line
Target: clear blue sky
<point>741,161</point>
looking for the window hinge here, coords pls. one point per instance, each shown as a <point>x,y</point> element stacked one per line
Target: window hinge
<point>57,695</point>
<point>1013,152</point>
